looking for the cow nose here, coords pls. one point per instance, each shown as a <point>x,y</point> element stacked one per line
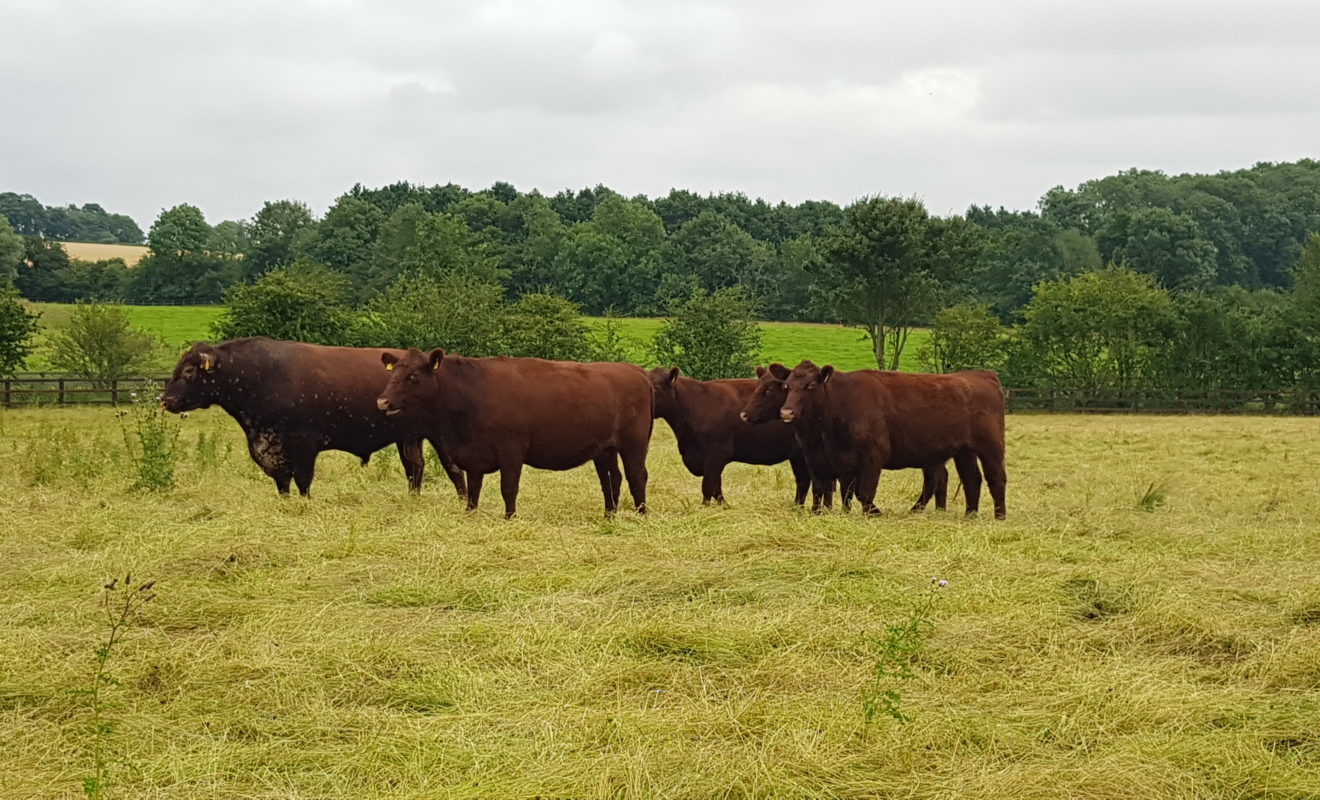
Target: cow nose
<point>743,414</point>
<point>787,414</point>
<point>383,403</point>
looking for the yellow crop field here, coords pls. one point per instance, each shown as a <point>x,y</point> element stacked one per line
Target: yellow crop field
<point>90,251</point>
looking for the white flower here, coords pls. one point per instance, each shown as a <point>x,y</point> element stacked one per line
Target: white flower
<point>943,583</point>
<point>184,415</point>
<point>132,394</point>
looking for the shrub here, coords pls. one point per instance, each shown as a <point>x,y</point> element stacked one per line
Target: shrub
<point>710,335</point>
<point>545,326</point>
<point>101,344</point>
<point>606,341</point>
<point>456,312</point>
<point>964,337</point>
<point>18,326</point>
<point>151,437</point>
<point>302,302</point>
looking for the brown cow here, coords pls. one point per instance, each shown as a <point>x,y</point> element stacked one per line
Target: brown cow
<point>294,400</point>
<point>869,420</point>
<point>704,418</point>
<point>765,405</point>
<point>503,413</point>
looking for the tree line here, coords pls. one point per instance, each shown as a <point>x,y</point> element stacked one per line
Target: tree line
<point>1225,247</point>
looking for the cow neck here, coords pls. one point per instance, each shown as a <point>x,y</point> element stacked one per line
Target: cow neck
<point>678,418</point>
<point>453,388</point>
<point>240,382</point>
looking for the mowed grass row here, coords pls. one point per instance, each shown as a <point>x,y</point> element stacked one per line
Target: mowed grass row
<point>788,343</point>
<point>369,644</point>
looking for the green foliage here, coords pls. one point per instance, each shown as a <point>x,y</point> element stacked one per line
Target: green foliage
<point>607,341</point>
<point>101,344</point>
<point>180,230</point>
<point>344,240</point>
<point>273,233</point>
<point>11,251</point>
<point>899,650</point>
<point>964,337</point>
<point>711,335</point>
<point>545,326</point>
<point>180,269</point>
<point>151,439</point>
<point>120,603</point>
<point>1161,243</point>
<point>887,269</point>
<point>456,312</point>
<point>1099,330</point>
<point>18,328</point>
<point>89,223</point>
<point>445,246</point>
<point>1154,496</point>
<point>303,302</point>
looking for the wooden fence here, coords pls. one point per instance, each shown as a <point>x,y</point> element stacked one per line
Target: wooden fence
<point>44,390</point>
<point>54,390</point>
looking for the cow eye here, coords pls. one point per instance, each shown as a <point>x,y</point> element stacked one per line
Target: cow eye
<point>412,378</point>
<point>811,385</point>
<point>784,386</point>
<point>189,372</point>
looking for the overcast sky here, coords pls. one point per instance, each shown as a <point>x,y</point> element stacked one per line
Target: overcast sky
<point>142,104</point>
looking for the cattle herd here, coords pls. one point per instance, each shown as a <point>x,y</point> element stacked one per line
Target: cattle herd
<point>482,415</point>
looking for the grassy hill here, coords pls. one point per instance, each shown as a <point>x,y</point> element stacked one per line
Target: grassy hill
<point>785,342</point>
<point>90,251</point>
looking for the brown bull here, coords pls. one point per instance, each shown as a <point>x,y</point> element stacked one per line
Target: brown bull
<point>504,413</point>
<point>294,400</point>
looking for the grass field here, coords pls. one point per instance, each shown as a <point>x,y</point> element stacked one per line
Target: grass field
<point>785,342</point>
<point>88,251</point>
<point>368,644</point>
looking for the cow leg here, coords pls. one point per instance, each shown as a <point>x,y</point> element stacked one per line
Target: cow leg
<point>474,480</point>
<point>934,483</point>
<point>634,468</point>
<point>801,479</point>
<point>847,491</point>
<point>866,482</point>
<point>451,469</point>
<point>510,475</point>
<point>965,461</point>
<point>282,479</point>
<point>996,478</point>
<point>410,454</point>
<point>941,487</point>
<point>822,493</point>
<point>712,480</point>
<point>304,469</point>
<point>607,470</point>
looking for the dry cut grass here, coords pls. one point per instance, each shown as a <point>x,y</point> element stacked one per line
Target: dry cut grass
<point>368,644</point>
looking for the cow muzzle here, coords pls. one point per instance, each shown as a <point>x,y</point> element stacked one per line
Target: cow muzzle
<point>383,404</point>
<point>787,414</point>
<point>743,414</point>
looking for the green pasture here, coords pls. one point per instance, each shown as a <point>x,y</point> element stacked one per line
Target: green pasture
<point>1145,624</point>
<point>788,343</point>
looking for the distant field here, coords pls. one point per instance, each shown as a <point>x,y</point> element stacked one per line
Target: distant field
<point>785,342</point>
<point>88,251</point>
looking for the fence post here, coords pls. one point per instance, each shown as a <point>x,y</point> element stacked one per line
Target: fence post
<point>8,396</point>
<point>61,391</point>
<point>114,392</point>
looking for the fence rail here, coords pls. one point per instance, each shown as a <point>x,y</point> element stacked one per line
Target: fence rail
<point>40,390</point>
<point>44,389</point>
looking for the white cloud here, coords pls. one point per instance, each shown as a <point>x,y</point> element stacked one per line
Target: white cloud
<point>139,105</point>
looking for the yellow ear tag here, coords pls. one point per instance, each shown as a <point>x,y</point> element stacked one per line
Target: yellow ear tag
<point>389,367</point>
<point>206,364</point>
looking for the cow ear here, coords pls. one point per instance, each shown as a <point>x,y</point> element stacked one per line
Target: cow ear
<point>673,376</point>
<point>437,355</point>
<point>760,372</point>
<point>825,373</point>
<point>207,360</point>
<point>779,371</point>
<point>389,360</point>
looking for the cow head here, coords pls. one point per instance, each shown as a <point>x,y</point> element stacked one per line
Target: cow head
<point>802,387</point>
<point>196,382</point>
<point>412,381</point>
<point>769,395</point>
<point>662,383</point>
